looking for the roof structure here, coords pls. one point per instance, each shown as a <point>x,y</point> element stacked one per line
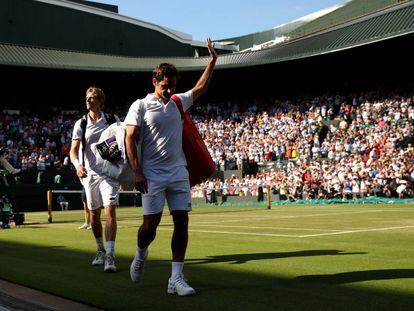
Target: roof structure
<point>87,27</point>
<point>384,25</point>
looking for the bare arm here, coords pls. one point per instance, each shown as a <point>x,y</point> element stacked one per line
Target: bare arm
<point>202,84</point>
<point>74,151</point>
<point>131,133</point>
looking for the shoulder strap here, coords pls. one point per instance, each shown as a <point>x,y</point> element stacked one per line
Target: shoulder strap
<point>140,138</point>
<point>84,122</point>
<point>110,118</point>
<point>177,101</point>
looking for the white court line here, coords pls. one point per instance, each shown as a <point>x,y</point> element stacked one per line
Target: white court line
<point>242,215</point>
<point>292,235</point>
<point>258,227</point>
<point>235,233</point>
<point>356,231</point>
<point>287,217</point>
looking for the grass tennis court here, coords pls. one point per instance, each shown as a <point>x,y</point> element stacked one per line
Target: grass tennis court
<point>337,257</point>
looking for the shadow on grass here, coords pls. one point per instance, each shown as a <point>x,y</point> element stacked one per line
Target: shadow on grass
<point>358,276</point>
<point>34,223</point>
<point>243,258</point>
<point>68,273</point>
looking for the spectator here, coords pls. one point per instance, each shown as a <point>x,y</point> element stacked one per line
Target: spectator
<point>64,204</point>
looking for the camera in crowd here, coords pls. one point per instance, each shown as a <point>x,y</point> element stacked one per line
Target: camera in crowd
<point>8,215</point>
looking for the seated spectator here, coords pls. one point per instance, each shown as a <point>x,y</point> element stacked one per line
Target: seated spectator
<point>64,204</point>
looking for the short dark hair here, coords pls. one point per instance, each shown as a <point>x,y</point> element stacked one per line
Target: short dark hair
<point>164,70</point>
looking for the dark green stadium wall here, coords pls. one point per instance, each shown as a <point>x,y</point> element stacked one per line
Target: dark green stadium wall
<point>29,22</point>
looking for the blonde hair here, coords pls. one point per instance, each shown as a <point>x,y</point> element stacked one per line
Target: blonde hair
<point>99,93</point>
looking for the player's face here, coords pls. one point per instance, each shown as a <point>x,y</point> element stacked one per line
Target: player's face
<point>165,88</point>
<point>93,102</point>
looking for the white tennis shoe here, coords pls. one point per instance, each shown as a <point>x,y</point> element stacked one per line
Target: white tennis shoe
<point>180,286</point>
<point>109,263</point>
<point>137,268</point>
<point>99,259</point>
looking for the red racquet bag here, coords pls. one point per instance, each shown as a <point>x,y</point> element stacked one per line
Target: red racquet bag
<point>200,165</point>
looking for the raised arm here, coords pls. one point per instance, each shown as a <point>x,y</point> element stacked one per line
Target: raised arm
<point>131,133</point>
<point>202,84</point>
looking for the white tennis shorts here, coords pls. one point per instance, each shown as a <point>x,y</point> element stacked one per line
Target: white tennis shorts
<point>173,186</point>
<point>100,191</point>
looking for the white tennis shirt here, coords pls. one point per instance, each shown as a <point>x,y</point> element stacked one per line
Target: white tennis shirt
<point>93,131</point>
<point>162,131</point>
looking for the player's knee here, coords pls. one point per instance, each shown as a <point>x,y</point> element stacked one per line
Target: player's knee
<point>95,215</point>
<point>180,219</point>
<point>110,212</point>
<point>147,232</point>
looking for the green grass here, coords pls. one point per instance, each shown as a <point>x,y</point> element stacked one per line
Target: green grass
<point>239,258</point>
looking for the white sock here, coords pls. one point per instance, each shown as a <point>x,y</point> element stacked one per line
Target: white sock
<point>141,253</point>
<point>99,242</point>
<point>177,269</point>
<point>110,247</point>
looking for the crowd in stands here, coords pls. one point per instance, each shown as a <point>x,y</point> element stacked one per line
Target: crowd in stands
<point>326,147</point>
<point>35,143</point>
<point>307,147</point>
